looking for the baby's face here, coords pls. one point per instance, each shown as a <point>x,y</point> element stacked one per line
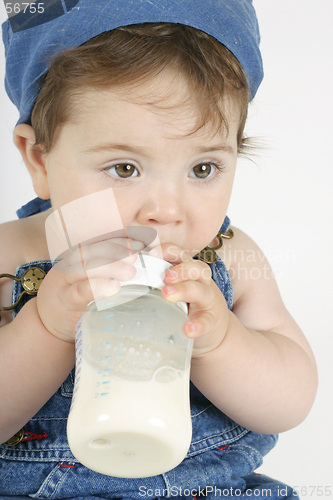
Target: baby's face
<point>179,185</point>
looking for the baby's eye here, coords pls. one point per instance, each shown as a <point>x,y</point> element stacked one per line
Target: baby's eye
<point>123,170</point>
<point>203,170</point>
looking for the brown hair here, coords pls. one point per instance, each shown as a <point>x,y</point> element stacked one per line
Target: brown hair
<point>132,54</point>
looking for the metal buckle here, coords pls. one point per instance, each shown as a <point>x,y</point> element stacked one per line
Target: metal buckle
<point>31,281</point>
<point>16,439</point>
<point>208,254</point>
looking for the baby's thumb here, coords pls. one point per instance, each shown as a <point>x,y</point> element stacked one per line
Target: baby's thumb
<point>83,292</point>
<point>103,287</point>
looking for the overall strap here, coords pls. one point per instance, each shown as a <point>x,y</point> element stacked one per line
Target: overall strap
<point>220,273</point>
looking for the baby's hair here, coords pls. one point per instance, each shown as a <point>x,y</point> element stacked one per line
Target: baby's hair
<point>130,55</point>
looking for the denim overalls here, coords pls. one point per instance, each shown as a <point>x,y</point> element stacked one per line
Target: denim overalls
<point>220,461</point>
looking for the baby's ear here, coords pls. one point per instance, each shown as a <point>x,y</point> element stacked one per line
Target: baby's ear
<point>34,158</point>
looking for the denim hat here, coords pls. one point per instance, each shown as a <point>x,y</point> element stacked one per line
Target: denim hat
<point>39,30</point>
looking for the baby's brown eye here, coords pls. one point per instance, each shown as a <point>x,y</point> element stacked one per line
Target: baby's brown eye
<point>202,170</point>
<point>124,170</point>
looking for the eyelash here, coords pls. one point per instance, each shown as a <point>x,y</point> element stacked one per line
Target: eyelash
<point>209,180</point>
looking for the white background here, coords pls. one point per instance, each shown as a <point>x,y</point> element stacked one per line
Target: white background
<point>284,202</point>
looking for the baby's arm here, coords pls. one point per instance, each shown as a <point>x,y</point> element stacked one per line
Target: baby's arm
<point>37,347</point>
<point>260,370</point>
<point>263,374</point>
<point>34,363</point>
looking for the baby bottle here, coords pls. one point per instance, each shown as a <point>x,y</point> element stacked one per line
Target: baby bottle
<point>130,414</point>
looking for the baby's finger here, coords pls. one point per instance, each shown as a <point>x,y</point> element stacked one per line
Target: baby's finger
<point>97,268</point>
<point>76,261</point>
<point>195,270</point>
<point>74,272</point>
<point>82,292</point>
<point>103,287</point>
<point>109,249</point>
<point>198,295</point>
<point>114,270</point>
<point>199,323</point>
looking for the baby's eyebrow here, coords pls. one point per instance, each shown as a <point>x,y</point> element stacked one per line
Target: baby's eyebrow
<point>215,147</point>
<point>100,148</point>
<point>112,147</point>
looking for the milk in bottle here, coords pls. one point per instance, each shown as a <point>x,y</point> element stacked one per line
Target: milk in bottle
<point>130,414</point>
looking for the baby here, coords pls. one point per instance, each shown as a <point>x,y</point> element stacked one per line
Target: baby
<point>147,99</point>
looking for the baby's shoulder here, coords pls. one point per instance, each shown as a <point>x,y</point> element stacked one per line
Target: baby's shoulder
<point>240,249</point>
<point>14,238</point>
<point>245,261</point>
<point>22,241</point>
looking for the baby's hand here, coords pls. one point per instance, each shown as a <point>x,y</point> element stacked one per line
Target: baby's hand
<point>68,287</point>
<point>208,310</point>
